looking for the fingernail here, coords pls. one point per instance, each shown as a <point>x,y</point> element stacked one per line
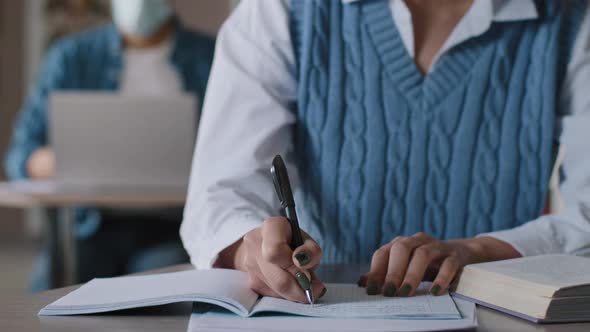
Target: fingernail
<point>302,280</point>
<point>372,288</point>
<point>435,289</point>
<point>405,290</point>
<point>302,258</point>
<point>361,281</point>
<point>389,290</point>
<point>324,291</point>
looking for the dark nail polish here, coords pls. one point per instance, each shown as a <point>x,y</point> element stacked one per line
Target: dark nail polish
<point>302,258</point>
<point>389,290</point>
<point>372,288</point>
<point>361,281</point>
<point>405,290</point>
<point>324,291</point>
<point>435,289</point>
<point>302,280</point>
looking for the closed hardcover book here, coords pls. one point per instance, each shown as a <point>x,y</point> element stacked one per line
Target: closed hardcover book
<point>543,289</point>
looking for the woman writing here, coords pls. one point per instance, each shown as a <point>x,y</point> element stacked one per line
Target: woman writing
<point>422,135</point>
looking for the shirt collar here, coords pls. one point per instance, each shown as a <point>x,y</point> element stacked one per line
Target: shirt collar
<point>476,21</point>
<point>513,10</point>
<point>501,10</point>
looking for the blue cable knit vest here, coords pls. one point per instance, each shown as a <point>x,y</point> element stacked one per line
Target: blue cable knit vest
<point>383,151</point>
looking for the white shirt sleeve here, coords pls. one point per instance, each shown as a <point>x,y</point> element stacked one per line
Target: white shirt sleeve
<point>247,118</point>
<point>567,232</point>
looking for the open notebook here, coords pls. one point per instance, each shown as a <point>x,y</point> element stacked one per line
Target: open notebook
<point>229,289</point>
<point>217,319</point>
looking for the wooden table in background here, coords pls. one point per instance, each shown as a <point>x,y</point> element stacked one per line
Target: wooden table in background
<point>61,232</point>
<point>19,313</point>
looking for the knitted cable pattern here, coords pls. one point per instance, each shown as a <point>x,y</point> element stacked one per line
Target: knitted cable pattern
<point>384,151</point>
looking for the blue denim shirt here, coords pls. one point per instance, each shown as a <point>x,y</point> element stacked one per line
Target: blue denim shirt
<point>92,61</point>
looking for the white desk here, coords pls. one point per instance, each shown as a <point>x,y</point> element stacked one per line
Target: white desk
<point>19,313</point>
<point>27,194</point>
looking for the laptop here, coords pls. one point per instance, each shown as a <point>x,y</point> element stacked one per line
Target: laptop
<point>105,140</point>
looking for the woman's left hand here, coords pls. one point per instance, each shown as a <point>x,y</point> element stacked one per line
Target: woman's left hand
<point>398,267</point>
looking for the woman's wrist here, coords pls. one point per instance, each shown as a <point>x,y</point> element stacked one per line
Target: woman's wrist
<point>485,249</point>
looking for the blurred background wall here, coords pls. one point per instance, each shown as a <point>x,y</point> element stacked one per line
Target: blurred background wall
<point>12,250</point>
<point>27,27</point>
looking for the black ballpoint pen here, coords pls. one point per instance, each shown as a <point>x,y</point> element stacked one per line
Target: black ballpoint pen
<point>280,178</point>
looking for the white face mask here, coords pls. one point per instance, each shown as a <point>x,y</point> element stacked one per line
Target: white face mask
<point>140,17</point>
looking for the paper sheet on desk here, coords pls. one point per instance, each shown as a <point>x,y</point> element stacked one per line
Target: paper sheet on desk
<point>223,321</point>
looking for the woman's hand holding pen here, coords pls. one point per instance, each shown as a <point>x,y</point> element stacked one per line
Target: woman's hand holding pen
<point>398,267</point>
<point>271,264</point>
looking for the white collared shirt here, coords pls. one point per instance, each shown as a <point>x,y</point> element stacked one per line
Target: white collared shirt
<point>248,115</point>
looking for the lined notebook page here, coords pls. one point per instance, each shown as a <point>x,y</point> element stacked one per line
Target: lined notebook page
<point>351,301</point>
<point>217,320</point>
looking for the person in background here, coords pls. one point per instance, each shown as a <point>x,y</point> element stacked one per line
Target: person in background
<point>146,52</point>
<point>420,136</point>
